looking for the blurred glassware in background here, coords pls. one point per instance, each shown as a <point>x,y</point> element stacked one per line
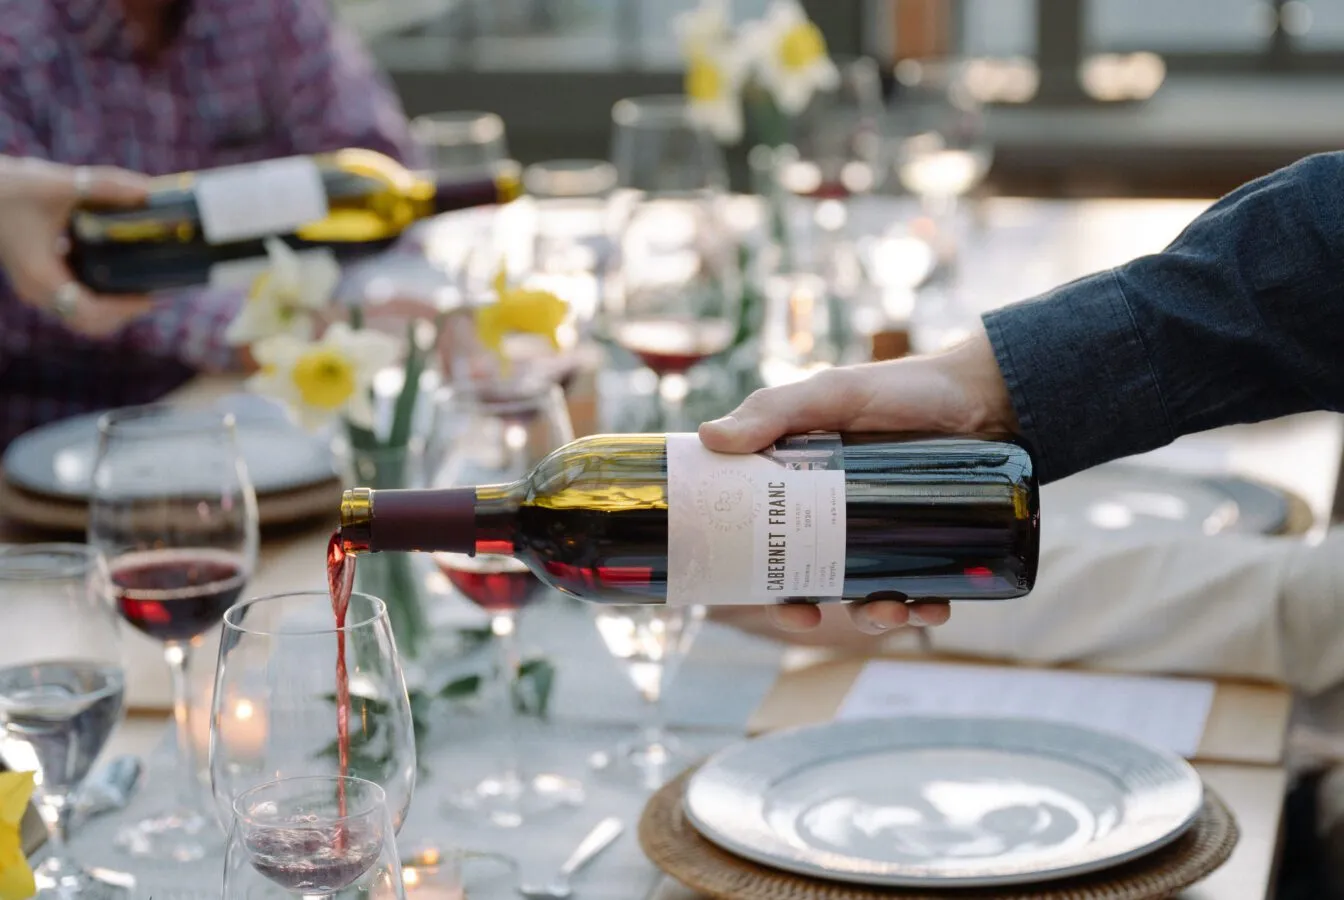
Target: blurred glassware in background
<point>805,329</point>
<point>460,141</point>
<point>942,151</point>
<point>571,245</point>
<point>673,293</point>
<point>650,642</point>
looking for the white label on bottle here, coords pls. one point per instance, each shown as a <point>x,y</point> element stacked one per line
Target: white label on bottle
<point>242,203</point>
<point>243,273</point>
<point>753,529</point>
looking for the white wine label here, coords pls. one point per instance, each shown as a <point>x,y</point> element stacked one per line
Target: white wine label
<point>243,273</point>
<point>758,528</point>
<point>242,203</point>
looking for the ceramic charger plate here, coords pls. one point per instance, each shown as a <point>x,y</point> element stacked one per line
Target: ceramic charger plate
<point>932,802</point>
<point>56,460</point>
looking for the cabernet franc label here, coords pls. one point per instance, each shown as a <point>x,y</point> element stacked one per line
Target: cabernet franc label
<point>755,529</point>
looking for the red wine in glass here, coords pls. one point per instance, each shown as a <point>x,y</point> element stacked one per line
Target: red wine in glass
<point>670,346</point>
<point>340,584</point>
<point>497,584</point>
<point>175,595</point>
<point>317,859</point>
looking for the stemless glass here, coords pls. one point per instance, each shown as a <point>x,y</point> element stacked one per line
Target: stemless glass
<point>61,686</point>
<point>674,295</point>
<point>463,141</point>
<point>174,514</point>
<point>650,642</point>
<point>275,715</point>
<point>510,432</point>
<point>315,837</point>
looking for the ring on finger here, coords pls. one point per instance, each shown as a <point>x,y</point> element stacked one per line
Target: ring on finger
<point>83,182</point>
<point>65,300</point>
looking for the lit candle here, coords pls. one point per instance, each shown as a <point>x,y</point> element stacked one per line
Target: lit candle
<point>428,879</point>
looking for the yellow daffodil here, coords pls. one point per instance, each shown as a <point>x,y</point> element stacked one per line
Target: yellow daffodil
<point>791,58</point>
<point>325,378</point>
<point>519,310</point>
<point>715,70</point>
<point>285,295</point>
<point>16,879</point>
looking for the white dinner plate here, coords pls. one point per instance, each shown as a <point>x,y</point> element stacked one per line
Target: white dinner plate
<point>1128,500</point>
<point>934,802</point>
<point>57,459</point>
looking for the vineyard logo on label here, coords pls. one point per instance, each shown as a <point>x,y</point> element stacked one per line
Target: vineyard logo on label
<point>727,500</point>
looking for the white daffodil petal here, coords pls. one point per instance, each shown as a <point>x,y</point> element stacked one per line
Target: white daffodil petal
<point>321,276</point>
<point>373,350</point>
<point>359,409</point>
<point>702,27</point>
<point>286,265</point>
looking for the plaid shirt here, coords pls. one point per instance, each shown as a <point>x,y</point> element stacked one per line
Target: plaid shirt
<point>241,81</point>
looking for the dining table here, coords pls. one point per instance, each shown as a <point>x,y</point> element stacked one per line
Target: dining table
<point>1013,248</point>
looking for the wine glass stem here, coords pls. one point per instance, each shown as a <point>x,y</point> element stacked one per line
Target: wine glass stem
<point>653,730</point>
<point>672,390</point>
<point>177,654</point>
<point>56,811</point>
<point>505,629</point>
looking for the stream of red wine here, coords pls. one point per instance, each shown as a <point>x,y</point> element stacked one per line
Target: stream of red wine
<point>340,581</point>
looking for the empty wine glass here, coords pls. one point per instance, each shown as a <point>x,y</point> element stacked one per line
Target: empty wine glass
<point>650,642</point>
<point>275,711</point>
<point>674,297</point>
<point>174,514</point>
<point>314,837</point>
<point>511,430</point>
<point>942,150</point>
<point>836,146</point>
<point>61,686</point>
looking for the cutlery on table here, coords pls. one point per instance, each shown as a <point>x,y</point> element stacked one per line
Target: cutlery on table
<point>558,888</point>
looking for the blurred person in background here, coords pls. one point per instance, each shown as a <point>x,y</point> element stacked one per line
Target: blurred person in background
<point>152,87</point>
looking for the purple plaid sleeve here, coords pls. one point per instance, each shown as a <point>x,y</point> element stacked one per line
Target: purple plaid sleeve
<point>189,326</point>
<point>333,95</point>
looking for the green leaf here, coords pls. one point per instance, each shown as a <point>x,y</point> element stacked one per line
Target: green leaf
<point>532,689</point>
<point>458,688</point>
<point>356,317</point>
<point>404,410</point>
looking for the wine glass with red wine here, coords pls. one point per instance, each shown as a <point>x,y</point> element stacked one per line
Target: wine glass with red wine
<point>314,837</point>
<point>173,513</point>
<point>674,295</point>
<point>296,694</point>
<point>506,430</point>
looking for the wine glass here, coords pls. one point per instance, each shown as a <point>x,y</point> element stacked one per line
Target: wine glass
<point>510,431</point>
<point>674,296</point>
<point>836,146</point>
<point>173,512</point>
<point>316,837</point>
<point>650,642</point>
<point>942,150</point>
<point>61,686</point>
<point>275,712</point>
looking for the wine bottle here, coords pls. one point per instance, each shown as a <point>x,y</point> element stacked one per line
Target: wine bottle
<point>203,227</point>
<point>651,518</point>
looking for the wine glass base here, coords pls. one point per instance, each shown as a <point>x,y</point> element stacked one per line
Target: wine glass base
<point>69,883</point>
<point>508,802</point>
<point>179,835</point>
<point>650,764</point>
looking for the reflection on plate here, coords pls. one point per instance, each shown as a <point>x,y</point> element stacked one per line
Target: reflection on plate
<point>942,802</point>
<point>57,459</point>
<point>1134,500</point>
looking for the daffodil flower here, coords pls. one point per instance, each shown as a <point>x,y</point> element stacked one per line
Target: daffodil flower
<point>324,378</point>
<point>791,58</point>
<point>519,310</point>
<point>16,879</point>
<point>713,87</point>
<point>702,28</point>
<point>284,297</point>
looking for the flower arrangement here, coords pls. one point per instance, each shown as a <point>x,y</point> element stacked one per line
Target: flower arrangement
<point>774,65</point>
<point>16,878</point>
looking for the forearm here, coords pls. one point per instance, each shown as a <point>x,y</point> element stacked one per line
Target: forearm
<point>1238,320</point>
<point>1235,606</point>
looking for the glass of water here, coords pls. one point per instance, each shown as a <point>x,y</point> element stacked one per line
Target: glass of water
<point>61,686</point>
<point>314,837</point>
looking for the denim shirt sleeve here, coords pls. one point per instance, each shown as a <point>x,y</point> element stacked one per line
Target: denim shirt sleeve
<point>1240,319</point>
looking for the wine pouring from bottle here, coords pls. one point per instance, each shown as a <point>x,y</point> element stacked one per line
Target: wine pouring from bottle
<point>651,518</point>
<point>207,227</point>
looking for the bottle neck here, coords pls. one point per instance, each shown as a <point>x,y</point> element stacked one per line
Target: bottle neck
<point>467,520</point>
<point>455,193</point>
